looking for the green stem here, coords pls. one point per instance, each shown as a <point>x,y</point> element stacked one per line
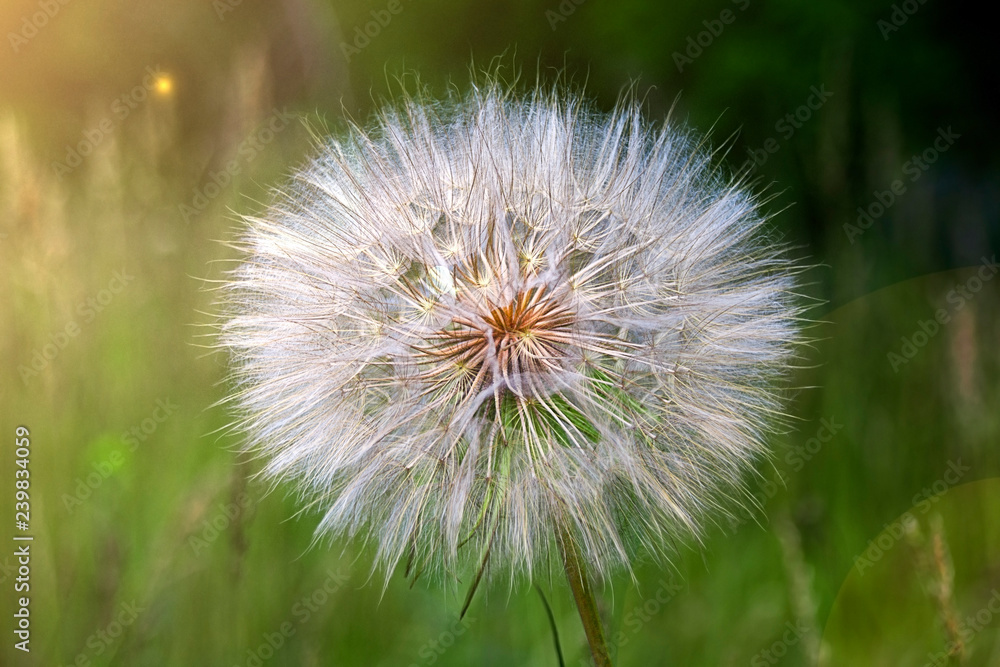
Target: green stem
<point>552,625</point>
<point>579,583</point>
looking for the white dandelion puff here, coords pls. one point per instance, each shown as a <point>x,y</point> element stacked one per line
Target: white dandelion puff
<point>486,322</point>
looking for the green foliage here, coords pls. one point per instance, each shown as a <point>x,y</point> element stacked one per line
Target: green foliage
<point>222,572</point>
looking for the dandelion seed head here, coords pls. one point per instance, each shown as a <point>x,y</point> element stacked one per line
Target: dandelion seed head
<point>481,319</point>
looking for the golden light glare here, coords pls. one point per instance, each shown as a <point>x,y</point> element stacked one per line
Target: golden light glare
<point>164,85</point>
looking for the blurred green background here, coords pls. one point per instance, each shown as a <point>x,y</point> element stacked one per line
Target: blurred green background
<point>132,134</point>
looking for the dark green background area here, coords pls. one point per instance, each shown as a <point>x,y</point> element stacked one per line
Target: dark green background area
<point>150,527</point>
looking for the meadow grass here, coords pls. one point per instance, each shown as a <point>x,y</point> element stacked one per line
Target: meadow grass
<point>131,511</point>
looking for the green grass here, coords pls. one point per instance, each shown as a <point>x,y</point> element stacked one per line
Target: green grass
<point>177,525</point>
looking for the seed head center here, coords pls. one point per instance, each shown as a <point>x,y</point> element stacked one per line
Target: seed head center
<point>529,335</point>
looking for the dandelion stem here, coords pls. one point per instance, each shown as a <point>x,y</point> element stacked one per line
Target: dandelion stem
<point>579,583</point>
<point>552,625</point>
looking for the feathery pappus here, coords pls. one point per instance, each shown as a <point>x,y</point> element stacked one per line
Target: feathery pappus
<point>483,320</point>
